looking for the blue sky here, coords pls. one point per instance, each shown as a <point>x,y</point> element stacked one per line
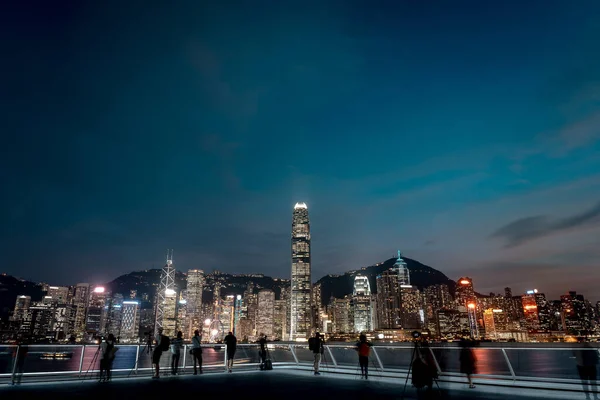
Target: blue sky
<point>467,134</point>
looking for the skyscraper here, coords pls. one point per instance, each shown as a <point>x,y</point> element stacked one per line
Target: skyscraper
<point>80,304</point>
<point>130,322</point>
<point>362,303</point>
<point>265,313</point>
<point>166,307</point>
<point>195,285</point>
<point>301,318</point>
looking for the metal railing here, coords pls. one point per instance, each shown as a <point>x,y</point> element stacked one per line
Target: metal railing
<point>548,366</point>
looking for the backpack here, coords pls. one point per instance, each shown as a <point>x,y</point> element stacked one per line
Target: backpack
<point>165,343</point>
<point>312,344</point>
<point>364,349</point>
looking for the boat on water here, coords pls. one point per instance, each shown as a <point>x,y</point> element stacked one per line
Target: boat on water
<point>58,355</point>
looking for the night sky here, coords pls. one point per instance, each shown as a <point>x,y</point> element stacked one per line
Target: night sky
<point>466,134</point>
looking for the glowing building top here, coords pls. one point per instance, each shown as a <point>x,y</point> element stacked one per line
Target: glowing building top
<point>402,268</point>
<point>300,205</point>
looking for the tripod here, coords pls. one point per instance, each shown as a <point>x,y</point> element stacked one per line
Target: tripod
<point>416,351</point>
<point>94,359</point>
<point>147,347</point>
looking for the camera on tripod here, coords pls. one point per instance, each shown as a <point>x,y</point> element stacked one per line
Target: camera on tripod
<point>416,334</point>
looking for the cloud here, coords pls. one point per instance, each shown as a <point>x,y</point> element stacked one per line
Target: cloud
<point>525,229</point>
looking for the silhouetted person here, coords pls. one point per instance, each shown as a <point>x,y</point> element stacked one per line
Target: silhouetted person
<point>107,356</point>
<point>231,342</point>
<point>587,359</point>
<point>149,343</point>
<point>72,340</point>
<point>263,350</point>
<point>467,361</point>
<point>162,344</point>
<point>197,351</point>
<point>315,344</point>
<point>363,347</point>
<point>176,346</point>
<point>22,350</point>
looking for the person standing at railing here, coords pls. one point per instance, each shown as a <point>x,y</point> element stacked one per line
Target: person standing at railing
<point>363,348</point>
<point>315,344</point>
<point>176,346</point>
<point>162,344</point>
<point>107,356</point>
<point>587,359</point>
<point>467,361</point>
<point>231,342</point>
<point>196,351</point>
<point>263,351</point>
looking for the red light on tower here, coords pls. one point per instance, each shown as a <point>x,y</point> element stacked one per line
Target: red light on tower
<point>465,282</point>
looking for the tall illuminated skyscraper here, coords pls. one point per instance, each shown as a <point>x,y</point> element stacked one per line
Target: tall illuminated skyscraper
<point>301,318</point>
<point>362,304</point>
<point>166,307</point>
<point>195,285</point>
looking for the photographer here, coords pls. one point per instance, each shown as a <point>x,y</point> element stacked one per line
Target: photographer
<point>315,344</point>
<point>197,351</point>
<point>263,351</point>
<point>363,347</point>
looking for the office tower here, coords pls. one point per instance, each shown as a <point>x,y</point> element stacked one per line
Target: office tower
<point>80,304</point>
<point>133,294</point>
<point>60,321</point>
<point>362,303</point>
<point>495,321</point>
<point>546,315</point>
<point>453,323</point>
<point>130,321</point>
<point>226,315</point>
<point>166,302</point>
<point>465,294</point>
<point>265,313</point>
<point>237,309</point>
<point>95,322</point>
<point>114,319</point>
<point>37,321</point>
<point>412,315</point>
<point>59,294</point>
<point>21,306</point>
<point>342,316</point>
<point>388,300</point>
<point>575,314</point>
<point>402,270</point>
<point>280,320</point>
<point>530,311</point>
<point>182,323</point>
<point>435,297</point>
<point>317,308</point>
<point>195,286</point>
<point>301,299</point>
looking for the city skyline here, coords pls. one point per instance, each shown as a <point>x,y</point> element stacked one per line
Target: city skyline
<point>466,134</point>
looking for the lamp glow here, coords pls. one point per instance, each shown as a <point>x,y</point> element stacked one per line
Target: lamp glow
<point>98,289</point>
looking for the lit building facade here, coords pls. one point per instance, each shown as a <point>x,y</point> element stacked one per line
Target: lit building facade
<point>80,304</point>
<point>362,304</point>
<point>301,299</point>
<point>130,322</point>
<point>21,307</point>
<point>166,300</point>
<point>265,314</point>
<point>388,300</point>
<point>193,306</point>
